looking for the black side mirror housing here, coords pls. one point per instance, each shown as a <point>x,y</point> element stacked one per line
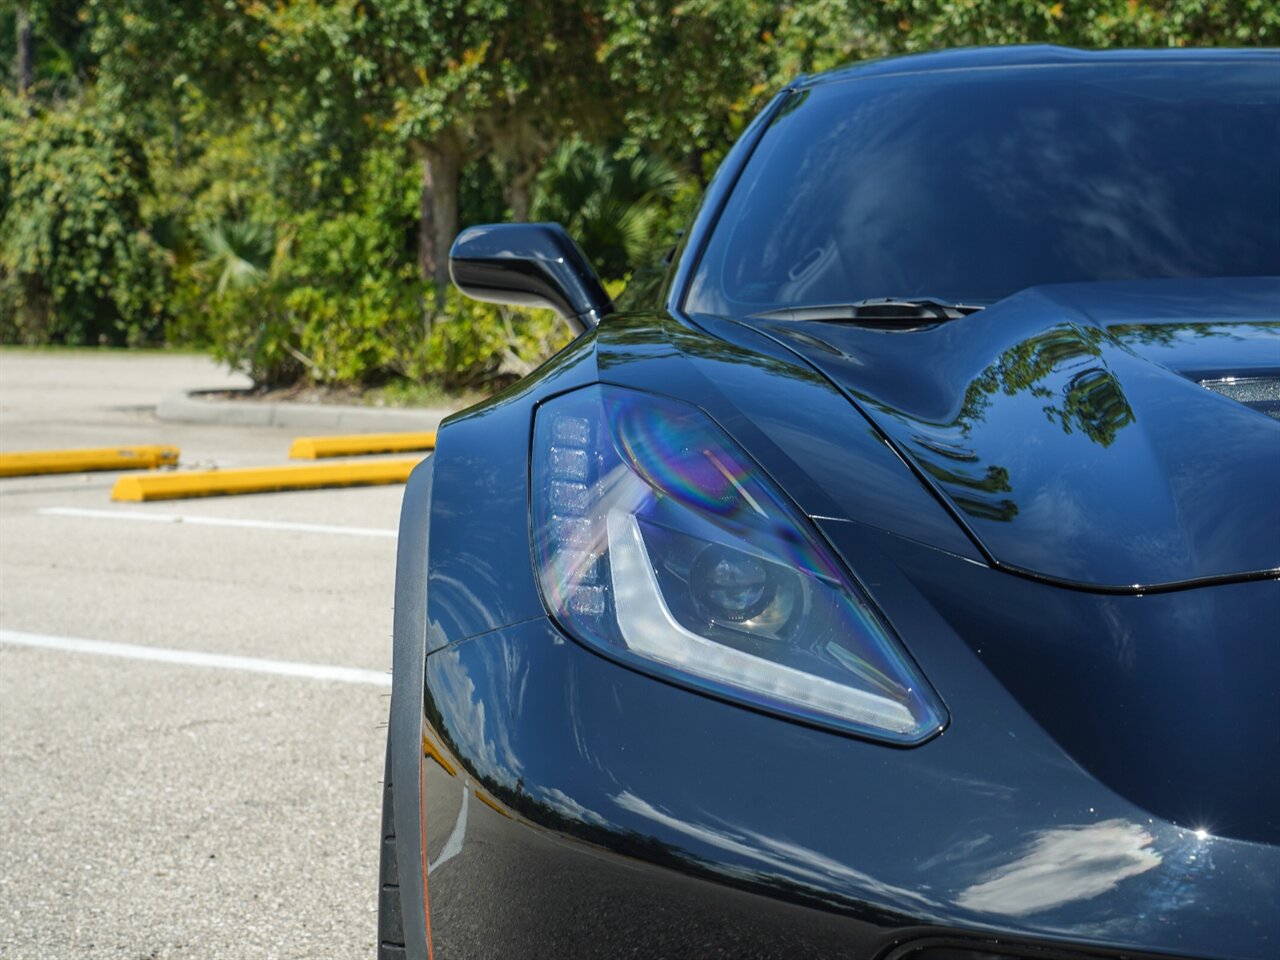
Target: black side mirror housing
<point>529,265</point>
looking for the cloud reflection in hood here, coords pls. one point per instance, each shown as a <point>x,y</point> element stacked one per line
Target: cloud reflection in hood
<point>1064,864</point>
<point>486,744</point>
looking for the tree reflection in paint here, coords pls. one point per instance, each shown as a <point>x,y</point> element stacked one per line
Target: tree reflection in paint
<point>1090,401</point>
<point>1064,368</point>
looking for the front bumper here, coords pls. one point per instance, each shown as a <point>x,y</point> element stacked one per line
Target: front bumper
<point>576,808</point>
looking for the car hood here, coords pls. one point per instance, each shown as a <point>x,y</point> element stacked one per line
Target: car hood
<point>1113,435</point>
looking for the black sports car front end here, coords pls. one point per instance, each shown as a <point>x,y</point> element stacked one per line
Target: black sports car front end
<point>902,580</point>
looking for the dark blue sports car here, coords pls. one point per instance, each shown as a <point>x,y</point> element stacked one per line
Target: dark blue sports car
<point>896,579</point>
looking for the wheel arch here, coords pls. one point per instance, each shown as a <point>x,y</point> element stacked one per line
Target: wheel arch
<point>408,658</point>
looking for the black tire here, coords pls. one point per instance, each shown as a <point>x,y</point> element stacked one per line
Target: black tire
<point>390,918</point>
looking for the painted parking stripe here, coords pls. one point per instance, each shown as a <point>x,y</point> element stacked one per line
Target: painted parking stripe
<point>453,846</point>
<point>196,658</point>
<point>148,517</point>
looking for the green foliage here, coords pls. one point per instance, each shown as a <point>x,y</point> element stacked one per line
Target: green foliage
<point>451,80</point>
<point>336,300</point>
<point>381,330</point>
<point>79,264</point>
<point>687,66</point>
<point>480,198</point>
<point>613,206</point>
<point>913,25</point>
<point>274,179</point>
<point>236,253</point>
<point>63,61</point>
<point>691,75</point>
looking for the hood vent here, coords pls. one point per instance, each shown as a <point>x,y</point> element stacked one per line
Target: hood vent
<point>1258,393</point>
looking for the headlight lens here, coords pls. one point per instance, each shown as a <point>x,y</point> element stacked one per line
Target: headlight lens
<point>659,542</point>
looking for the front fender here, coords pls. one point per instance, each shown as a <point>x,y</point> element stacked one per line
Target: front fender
<point>405,728</point>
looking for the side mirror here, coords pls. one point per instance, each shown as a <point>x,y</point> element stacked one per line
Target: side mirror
<point>530,265</point>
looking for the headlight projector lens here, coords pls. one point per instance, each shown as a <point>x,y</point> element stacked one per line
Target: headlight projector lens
<point>730,585</point>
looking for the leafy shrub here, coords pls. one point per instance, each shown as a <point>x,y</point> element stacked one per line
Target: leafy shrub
<point>614,206</point>
<point>337,299</point>
<point>235,252</point>
<point>387,327</point>
<point>78,263</point>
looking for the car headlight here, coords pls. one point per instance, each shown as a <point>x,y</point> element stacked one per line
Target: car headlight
<point>660,543</point>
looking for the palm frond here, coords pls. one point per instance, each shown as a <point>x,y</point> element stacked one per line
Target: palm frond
<point>236,253</point>
<point>612,205</point>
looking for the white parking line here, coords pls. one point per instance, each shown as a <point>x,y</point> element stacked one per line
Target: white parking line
<point>195,658</point>
<point>148,517</point>
<point>453,846</point>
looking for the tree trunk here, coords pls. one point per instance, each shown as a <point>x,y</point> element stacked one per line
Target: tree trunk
<point>24,66</point>
<point>427,222</point>
<point>446,167</point>
<point>519,198</point>
<point>524,168</point>
<point>438,213</point>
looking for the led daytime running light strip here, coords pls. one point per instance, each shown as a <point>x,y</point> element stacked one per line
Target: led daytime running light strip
<point>649,629</point>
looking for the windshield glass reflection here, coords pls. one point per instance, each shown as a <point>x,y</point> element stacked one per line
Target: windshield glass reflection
<point>970,188</point>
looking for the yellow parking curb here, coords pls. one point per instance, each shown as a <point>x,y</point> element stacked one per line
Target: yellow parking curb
<point>315,448</point>
<point>25,463</point>
<point>215,483</point>
<point>430,750</point>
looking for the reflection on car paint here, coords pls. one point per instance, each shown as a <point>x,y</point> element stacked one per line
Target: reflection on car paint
<point>545,729</point>
<point>1063,864</point>
<point>1076,449</point>
<point>453,845</point>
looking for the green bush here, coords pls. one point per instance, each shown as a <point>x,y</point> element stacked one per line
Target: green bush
<point>386,328</point>
<point>615,206</point>
<point>334,297</point>
<point>78,263</point>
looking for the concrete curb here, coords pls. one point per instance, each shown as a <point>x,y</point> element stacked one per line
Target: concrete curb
<point>198,407</point>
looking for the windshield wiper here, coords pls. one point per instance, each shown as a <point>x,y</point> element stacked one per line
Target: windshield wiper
<point>880,310</point>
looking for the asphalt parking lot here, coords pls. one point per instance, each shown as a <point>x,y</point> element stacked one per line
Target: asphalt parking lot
<point>195,807</point>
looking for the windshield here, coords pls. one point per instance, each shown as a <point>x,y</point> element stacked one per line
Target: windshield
<point>968,186</point>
